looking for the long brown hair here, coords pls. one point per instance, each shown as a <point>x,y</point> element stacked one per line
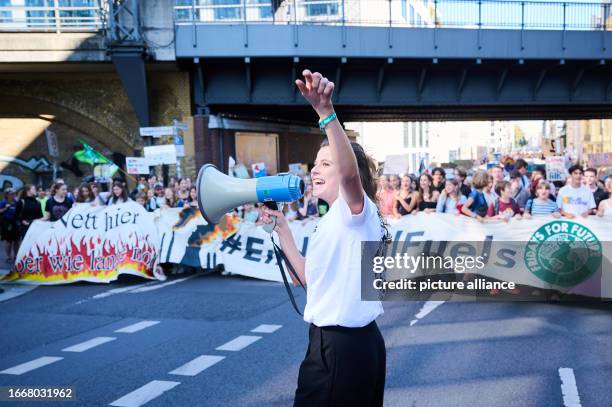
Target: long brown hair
<point>80,198</point>
<point>367,169</point>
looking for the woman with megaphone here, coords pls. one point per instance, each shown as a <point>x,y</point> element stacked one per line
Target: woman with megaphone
<point>345,361</point>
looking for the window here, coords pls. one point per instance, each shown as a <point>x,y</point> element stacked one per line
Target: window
<point>421,144</point>
<point>264,8</point>
<point>414,135</point>
<point>322,8</point>
<point>404,9</point>
<point>77,17</point>
<point>225,11</point>
<point>411,21</point>
<point>5,15</point>
<point>185,13</point>
<point>406,135</point>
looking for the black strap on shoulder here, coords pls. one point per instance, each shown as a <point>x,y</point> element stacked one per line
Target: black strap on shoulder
<point>280,257</point>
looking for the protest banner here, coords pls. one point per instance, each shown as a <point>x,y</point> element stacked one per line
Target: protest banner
<point>89,243</point>
<point>99,243</point>
<point>249,251</point>
<point>600,159</point>
<point>186,238</point>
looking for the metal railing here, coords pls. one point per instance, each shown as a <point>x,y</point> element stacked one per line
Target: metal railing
<point>477,14</point>
<point>52,15</point>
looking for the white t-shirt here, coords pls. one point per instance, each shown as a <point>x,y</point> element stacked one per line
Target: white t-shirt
<point>333,267</point>
<point>575,200</point>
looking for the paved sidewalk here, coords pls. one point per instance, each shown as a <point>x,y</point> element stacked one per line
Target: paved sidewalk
<point>8,291</point>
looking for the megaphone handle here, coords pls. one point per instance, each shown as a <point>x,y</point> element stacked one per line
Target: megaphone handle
<point>269,227</point>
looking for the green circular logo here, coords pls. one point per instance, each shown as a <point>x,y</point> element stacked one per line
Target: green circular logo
<point>563,253</point>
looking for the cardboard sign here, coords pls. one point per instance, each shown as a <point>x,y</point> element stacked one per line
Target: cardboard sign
<point>298,169</point>
<point>555,168</point>
<point>397,164</point>
<point>259,170</point>
<point>137,165</point>
<point>552,146</point>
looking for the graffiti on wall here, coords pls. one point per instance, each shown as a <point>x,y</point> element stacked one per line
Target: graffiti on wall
<point>35,165</point>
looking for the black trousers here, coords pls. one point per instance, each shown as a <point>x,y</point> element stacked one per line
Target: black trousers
<point>343,367</point>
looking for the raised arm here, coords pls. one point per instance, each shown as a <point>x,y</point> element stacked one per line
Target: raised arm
<point>318,90</point>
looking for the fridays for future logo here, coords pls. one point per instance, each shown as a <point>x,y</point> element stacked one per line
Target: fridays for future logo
<point>563,253</point>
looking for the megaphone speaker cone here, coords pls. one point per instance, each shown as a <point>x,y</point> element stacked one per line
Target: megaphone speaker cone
<point>219,193</point>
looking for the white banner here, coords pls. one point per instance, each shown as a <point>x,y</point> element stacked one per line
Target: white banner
<point>250,252</point>
<point>99,243</point>
<point>528,258</point>
<point>89,243</point>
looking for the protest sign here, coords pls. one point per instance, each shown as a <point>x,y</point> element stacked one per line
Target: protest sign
<point>555,168</point>
<point>137,165</point>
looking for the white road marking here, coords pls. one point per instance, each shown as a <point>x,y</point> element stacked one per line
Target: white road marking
<point>114,291</point>
<point>426,309</point>
<point>197,365</point>
<point>11,291</point>
<point>266,329</point>
<point>138,326</point>
<point>121,290</point>
<point>158,286</point>
<point>239,343</point>
<point>92,343</point>
<point>31,365</point>
<point>145,394</point>
<point>571,398</point>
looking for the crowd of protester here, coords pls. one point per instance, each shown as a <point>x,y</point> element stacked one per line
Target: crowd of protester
<point>18,209</point>
<point>497,194</point>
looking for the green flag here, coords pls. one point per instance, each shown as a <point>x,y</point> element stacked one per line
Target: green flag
<point>89,155</point>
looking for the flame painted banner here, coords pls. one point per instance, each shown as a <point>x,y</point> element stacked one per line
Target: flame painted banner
<point>89,244</point>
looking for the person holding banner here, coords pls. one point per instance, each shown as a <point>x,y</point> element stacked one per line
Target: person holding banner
<point>590,180</point>
<point>575,199</point>
<point>477,205</point>
<point>542,204</point>
<point>605,206</point>
<point>9,231</point>
<point>345,362</point>
<point>59,203</point>
<point>119,194</point>
<point>405,200</point>
<point>28,209</point>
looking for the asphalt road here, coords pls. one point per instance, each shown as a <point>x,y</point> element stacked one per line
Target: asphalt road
<point>199,348</point>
